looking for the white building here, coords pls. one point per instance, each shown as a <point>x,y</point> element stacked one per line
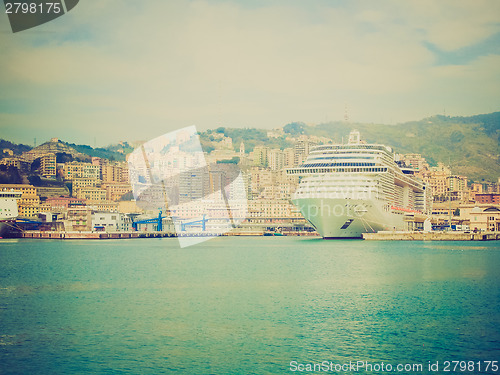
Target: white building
<point>111,222</point>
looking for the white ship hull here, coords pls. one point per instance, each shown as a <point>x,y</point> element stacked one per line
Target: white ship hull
<point>350,189</point>
<point>8,209</point>
<point>347,218</point>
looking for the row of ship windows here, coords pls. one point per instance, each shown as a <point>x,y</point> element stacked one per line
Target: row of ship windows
<point>338,165</point>
<point>325,170</point>
<point>347,151</point>
<point>351,147</point>
<point>343,158</point>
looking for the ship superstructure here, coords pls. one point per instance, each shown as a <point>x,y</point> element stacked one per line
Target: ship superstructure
<point>354,188</point>
<point>8,208</point>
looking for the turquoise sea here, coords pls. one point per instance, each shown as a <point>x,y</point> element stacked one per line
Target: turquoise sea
<point>259,305</point>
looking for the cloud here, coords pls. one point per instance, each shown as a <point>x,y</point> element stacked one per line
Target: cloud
<point>124,69</point>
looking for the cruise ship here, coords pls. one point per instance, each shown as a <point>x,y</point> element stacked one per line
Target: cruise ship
<point>346,190</point>
<point>8,208</point>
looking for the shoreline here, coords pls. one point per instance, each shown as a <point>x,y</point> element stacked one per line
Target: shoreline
<point>431,236</point>
<point>60,235</point>
<point>380,236</point>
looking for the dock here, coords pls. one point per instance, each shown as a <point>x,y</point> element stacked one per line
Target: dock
<point>62,235</point>
<point>431,236</point>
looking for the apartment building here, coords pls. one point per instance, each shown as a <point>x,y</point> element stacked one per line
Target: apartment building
<point>415,161</point>
<point>16,162</point>
<point>48,165</point>
<point>114,191</point>
<point>492,198</point>
<point>79,170</point>
<point>276,159</point>
<point>92,194</point>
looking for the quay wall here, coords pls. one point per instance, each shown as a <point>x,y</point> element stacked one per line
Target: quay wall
<point>432,236</point>
<point>123,235</point>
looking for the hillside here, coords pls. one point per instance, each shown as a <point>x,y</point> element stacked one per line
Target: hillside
<point>470,145</point>
<point>55,146</point>
<point>71,150</point>
<point>114,152</point>
<point>17,149</point>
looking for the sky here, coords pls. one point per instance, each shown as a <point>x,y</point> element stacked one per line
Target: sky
<point>121,70</point>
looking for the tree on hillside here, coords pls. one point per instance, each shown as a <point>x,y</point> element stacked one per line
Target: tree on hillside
<point>295,128</point>
<point>9,175</point>
<point>63,157</point>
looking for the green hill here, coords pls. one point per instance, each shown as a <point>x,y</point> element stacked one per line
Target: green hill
<point>470,145</point>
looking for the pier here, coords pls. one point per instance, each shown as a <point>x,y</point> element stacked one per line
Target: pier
<point>432,236</point>
<point>60,235</point>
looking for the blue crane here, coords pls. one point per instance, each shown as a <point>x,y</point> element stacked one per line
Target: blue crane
<point>195,222</point>
<point>158,220</point>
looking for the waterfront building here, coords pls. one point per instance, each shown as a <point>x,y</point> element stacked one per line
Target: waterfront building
<point>78,219</point>
<point>441,211</point>
<point>29,211</point>
<point>211,208</point>
<point>111,222</point>
<point>485,218</point>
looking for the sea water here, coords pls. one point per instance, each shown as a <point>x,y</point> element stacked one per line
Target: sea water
<point>236,305</point>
